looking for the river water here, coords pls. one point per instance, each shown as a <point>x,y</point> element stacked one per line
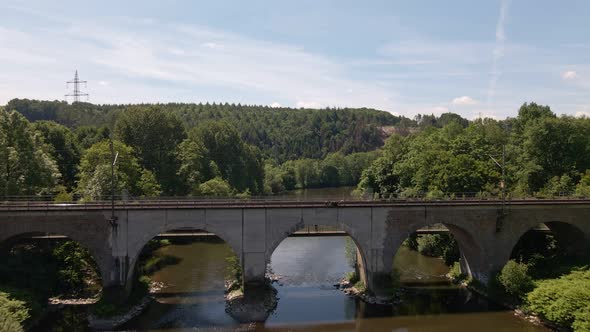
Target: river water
<point>309,267</point>
<point>193,296</point>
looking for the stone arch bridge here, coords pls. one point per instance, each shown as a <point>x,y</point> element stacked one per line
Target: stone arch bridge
<point>486,232</point>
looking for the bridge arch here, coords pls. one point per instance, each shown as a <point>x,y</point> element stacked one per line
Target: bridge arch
<point>355,222</point>
<point>7,242</point>
<point>569,237</point>
<point>472,254</point>
<point>348,231</point>
<point>135,252</point>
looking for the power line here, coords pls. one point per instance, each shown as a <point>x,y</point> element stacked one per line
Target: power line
<point>76,93</point>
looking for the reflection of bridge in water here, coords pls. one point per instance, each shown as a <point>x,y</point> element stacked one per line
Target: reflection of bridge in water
<point>485,230</point>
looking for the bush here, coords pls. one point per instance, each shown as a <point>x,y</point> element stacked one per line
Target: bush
<point>412,241</point>
<point>233,270</point>
<point>12,313</point>
<point>515,279</point>
<point>564,300</point>
<point>439,245</point>
<point>455,272</point>
<point>352,277</point>
<point>360,286</point>
<point>8,323</point>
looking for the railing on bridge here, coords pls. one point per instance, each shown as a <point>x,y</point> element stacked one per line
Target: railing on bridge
<point>49,201</point>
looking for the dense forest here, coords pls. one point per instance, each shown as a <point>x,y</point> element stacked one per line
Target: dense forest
<point>542,155</point>
<point>54,148</point>
<point>280,133</point>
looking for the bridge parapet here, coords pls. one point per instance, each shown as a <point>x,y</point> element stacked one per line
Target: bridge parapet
<point>254,229</point>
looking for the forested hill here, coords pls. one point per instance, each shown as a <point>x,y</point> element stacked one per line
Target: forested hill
<point>281,133</point>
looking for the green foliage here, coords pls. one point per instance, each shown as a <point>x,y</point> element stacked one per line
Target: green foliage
<point>360,286</point>
<point>233,270</point>
<point>558,186</point>
<point>281,133</point>
<point>62,195</point>
<point>215,149</point>
<point>352,277</point>
<point>412,241</point>
<point>335,170</point>
<point>583,187</point>
<point>13,313</point>
<point>564,300</point>
<point>545,154</point>
<point>455,272</point>
<point>26,164</point>
<point>515,279</point>
<point>87,136</point>
<point>148,184</point>
<point>439,245</point>
<point>31,274</point>
<point>63,147</point>
<point>95,173</point>
<point>154,135</point>
<point>350,251</point>
<point>215,187</point>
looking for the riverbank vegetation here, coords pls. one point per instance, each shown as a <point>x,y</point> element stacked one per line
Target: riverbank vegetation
<point>116,302</point>
<point>543,279</point>
<point>33,271</point>
<point>441,245</point>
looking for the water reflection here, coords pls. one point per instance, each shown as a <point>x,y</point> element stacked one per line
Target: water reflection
<point>309,267</point>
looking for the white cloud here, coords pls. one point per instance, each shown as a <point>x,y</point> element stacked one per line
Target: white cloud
<point>211,45</point>
<point>498,51</point>
<point>583,114</point>
<point>179,63</point>
<point>275,105</point>
<point>439,110</point>
<point>309,104</point>
<point>464,100</point>
<point>103,83</point>
<point>569,75</point>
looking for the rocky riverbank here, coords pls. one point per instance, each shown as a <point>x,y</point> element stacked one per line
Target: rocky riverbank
<point>255,306</point>
<point>349,289</point>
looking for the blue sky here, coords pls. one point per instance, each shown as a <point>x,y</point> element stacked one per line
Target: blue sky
<point>405,57</point>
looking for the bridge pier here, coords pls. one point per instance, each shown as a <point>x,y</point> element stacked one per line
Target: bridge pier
<point>254,229</point>
<point>254,268</point>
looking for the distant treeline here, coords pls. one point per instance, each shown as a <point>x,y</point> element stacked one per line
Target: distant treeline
<point>280,133</point>
<point>59,149</point>
<point>223,149</point>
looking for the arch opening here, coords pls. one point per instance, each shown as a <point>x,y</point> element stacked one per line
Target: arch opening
<point>50,268</point>
<point>319,255</point>
<point>189,271</point>
<point>432,253</point>
<point>186,261</point>
<point>550,248</point>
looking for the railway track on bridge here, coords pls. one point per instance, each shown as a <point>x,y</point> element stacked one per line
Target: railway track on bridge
<point>225,204</point>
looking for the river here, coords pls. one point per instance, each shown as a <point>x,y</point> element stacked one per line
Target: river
<point>309,267</point>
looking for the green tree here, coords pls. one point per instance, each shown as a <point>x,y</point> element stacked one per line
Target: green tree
<point>63,148</point>
<point>216,187</point>
<point>583,187</point>
<point>87,136</point>
<point>26,164</point>
<point>216,149</point>
<point>154,134</point>
<point>95,172</point>
<point>515,279</point>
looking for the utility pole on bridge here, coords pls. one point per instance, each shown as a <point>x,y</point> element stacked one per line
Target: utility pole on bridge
<point>502,186</point>
<point>114,156</point>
